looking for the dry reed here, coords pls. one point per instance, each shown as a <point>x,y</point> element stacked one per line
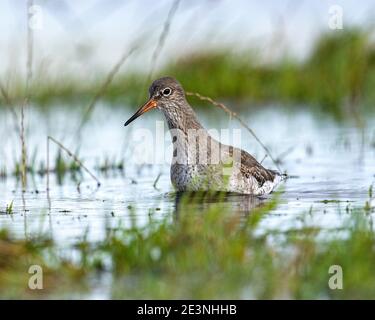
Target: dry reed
<point>162,38</point>
<point>115,69</point>
<point>70,154</point>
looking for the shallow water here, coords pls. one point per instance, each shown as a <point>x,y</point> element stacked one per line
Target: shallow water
<point>331,166</point>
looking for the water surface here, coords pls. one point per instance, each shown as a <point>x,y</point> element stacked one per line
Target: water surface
<point>331,166</point>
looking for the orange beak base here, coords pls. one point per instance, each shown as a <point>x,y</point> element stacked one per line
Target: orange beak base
<point>150,104</point>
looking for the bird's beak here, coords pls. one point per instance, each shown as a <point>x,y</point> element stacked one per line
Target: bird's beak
<point>150,104</point>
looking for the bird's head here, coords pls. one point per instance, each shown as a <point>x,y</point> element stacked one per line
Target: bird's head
<point>166,94</point>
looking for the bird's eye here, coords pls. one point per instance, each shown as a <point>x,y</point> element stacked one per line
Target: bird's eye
<point>166,92</point>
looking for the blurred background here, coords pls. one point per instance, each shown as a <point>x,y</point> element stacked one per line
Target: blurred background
<point>290,51</point>
<point>300,74</point>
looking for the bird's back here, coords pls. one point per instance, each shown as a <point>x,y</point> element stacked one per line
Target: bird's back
<point>251,177</point>
<point>224,168</point>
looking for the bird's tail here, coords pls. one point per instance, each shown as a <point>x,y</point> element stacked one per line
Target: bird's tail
<point>281,176</point>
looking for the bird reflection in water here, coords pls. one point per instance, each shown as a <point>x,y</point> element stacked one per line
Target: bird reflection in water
<point>239,204</point>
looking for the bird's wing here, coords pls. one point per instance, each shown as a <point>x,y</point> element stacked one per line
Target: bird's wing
<point>250,166</point>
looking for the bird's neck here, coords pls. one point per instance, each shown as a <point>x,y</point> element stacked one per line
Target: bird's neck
<point>187,134</point>
<point>182,117</point>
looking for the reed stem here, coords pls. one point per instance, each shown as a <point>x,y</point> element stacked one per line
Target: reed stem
<point>70,154</point>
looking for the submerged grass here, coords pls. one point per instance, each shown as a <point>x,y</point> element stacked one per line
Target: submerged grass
<point>63,165</point>
<point>212,253</point>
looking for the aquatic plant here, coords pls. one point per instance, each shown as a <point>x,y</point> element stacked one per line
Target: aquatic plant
<point>210,253</point>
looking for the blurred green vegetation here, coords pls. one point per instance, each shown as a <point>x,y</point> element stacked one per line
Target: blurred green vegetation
<point>18,255</point>
<point>211,253</point>
<point>337,77</point>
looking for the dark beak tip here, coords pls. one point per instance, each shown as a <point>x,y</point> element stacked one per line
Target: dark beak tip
<point>135,116</point>
<point>146,107</point>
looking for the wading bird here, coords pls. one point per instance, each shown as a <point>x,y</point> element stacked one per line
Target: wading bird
<point>201,163</point>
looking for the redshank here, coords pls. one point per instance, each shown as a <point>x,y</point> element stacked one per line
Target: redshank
<point>201,163</point>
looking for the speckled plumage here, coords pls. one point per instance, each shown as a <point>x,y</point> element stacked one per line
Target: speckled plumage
<point>200,162</point>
